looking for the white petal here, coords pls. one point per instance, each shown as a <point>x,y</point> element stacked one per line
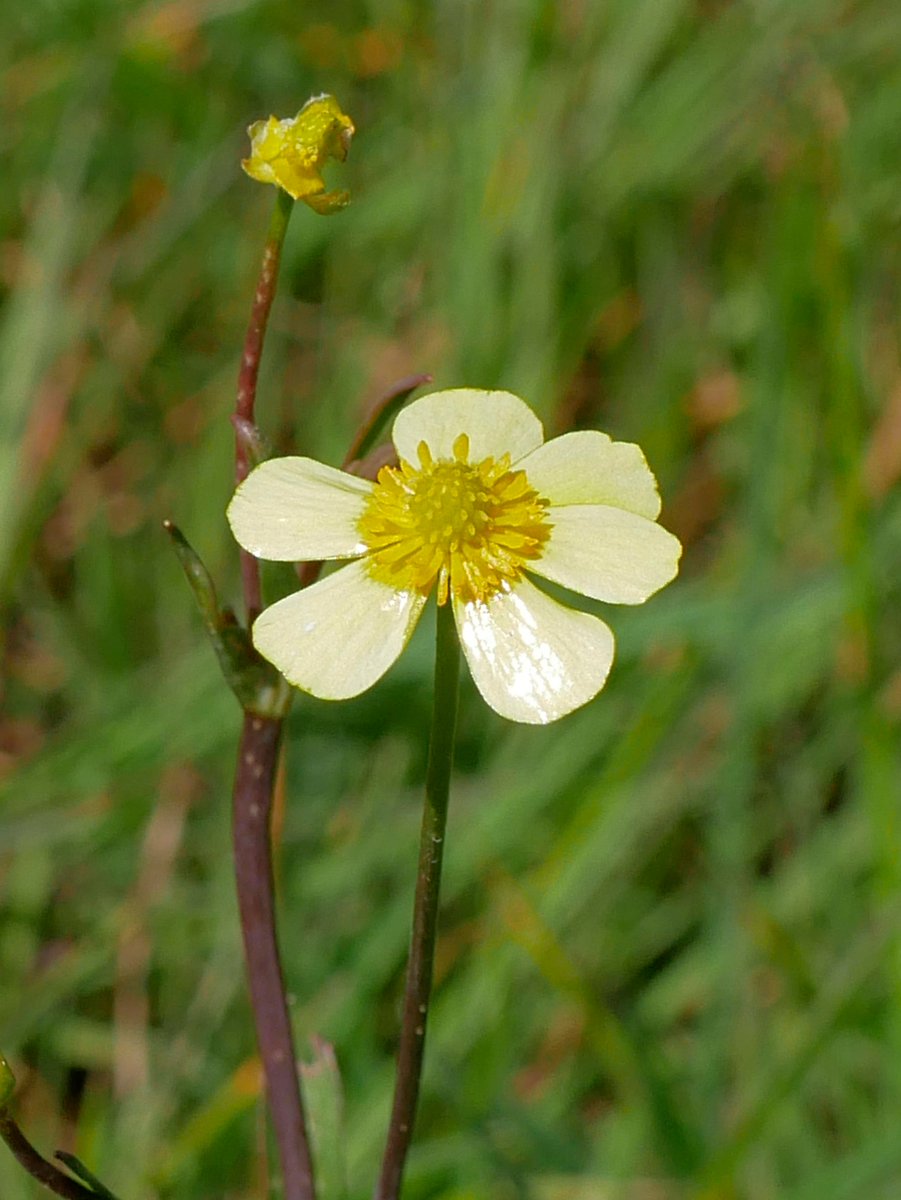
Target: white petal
<point>496,423</point>
<point>607,553</point>
<point>295,509</point>
<point>532,659</point>
<point>588,468</point>
<point>336,638</point>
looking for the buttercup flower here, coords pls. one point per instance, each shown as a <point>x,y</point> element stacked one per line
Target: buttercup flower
<point>478,502</point>
<point>292,152</point>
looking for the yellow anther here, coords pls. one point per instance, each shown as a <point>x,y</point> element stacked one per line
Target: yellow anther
<point>469,528</point>
<point>461,448</point>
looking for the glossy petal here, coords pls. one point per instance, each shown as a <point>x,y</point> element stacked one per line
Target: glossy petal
<point>588,468</point>
<point>532,659</point>
<point>608,553</point>
<point>496,423</point>
<point>338,637</point>
<point>296,509</point>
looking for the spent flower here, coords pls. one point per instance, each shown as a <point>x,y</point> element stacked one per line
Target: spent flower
<point>292,152</point>
<point>478,502</point>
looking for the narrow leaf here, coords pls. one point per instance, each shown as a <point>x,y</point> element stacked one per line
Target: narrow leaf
<point>376,421</point>
<point>256,683</point>
<point>324,1100</point>
<point>78,1169</point>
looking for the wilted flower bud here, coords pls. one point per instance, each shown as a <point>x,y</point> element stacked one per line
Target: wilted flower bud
<point>291,152</point>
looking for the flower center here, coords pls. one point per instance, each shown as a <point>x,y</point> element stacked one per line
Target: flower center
<point>470,526</point>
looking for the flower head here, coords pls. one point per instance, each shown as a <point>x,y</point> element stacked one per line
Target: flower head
<point>292,152</point>
<point>478,502</point>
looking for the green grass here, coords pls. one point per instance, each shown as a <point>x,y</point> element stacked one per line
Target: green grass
<point>670,961</point>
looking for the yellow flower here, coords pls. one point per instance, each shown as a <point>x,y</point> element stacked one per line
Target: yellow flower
<point>478,502</point>
<point>292,152</point>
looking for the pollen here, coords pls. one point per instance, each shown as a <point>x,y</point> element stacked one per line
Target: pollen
<point>470,528</point>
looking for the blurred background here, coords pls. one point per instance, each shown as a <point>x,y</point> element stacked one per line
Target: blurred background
<point>670,960</point>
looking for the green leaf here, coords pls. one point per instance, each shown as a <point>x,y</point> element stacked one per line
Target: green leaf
<point>256,683</point>
<point>376,422</point>
<point>324,1099</point>
<point>77,1167</point>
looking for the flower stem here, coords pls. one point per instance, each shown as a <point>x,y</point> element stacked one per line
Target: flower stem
<point>425,910</point>
<point>37,1166</point>
<point>254,785</point>
<point>249,372</point>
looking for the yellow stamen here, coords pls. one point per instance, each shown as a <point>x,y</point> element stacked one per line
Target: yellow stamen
<point>469,527</point>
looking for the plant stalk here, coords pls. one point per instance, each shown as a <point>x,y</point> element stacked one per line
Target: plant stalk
<point>37,1166</point>
<point>254,786</point>
<point>249,373</point>
<point>411,1046</point>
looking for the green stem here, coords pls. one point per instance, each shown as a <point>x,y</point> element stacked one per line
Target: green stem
<point>425,910</point>
<point>250,370</point>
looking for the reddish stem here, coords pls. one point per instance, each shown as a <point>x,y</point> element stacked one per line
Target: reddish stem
<point>37,1166</point>
<point>254,787</point>
<point>249,373</point>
